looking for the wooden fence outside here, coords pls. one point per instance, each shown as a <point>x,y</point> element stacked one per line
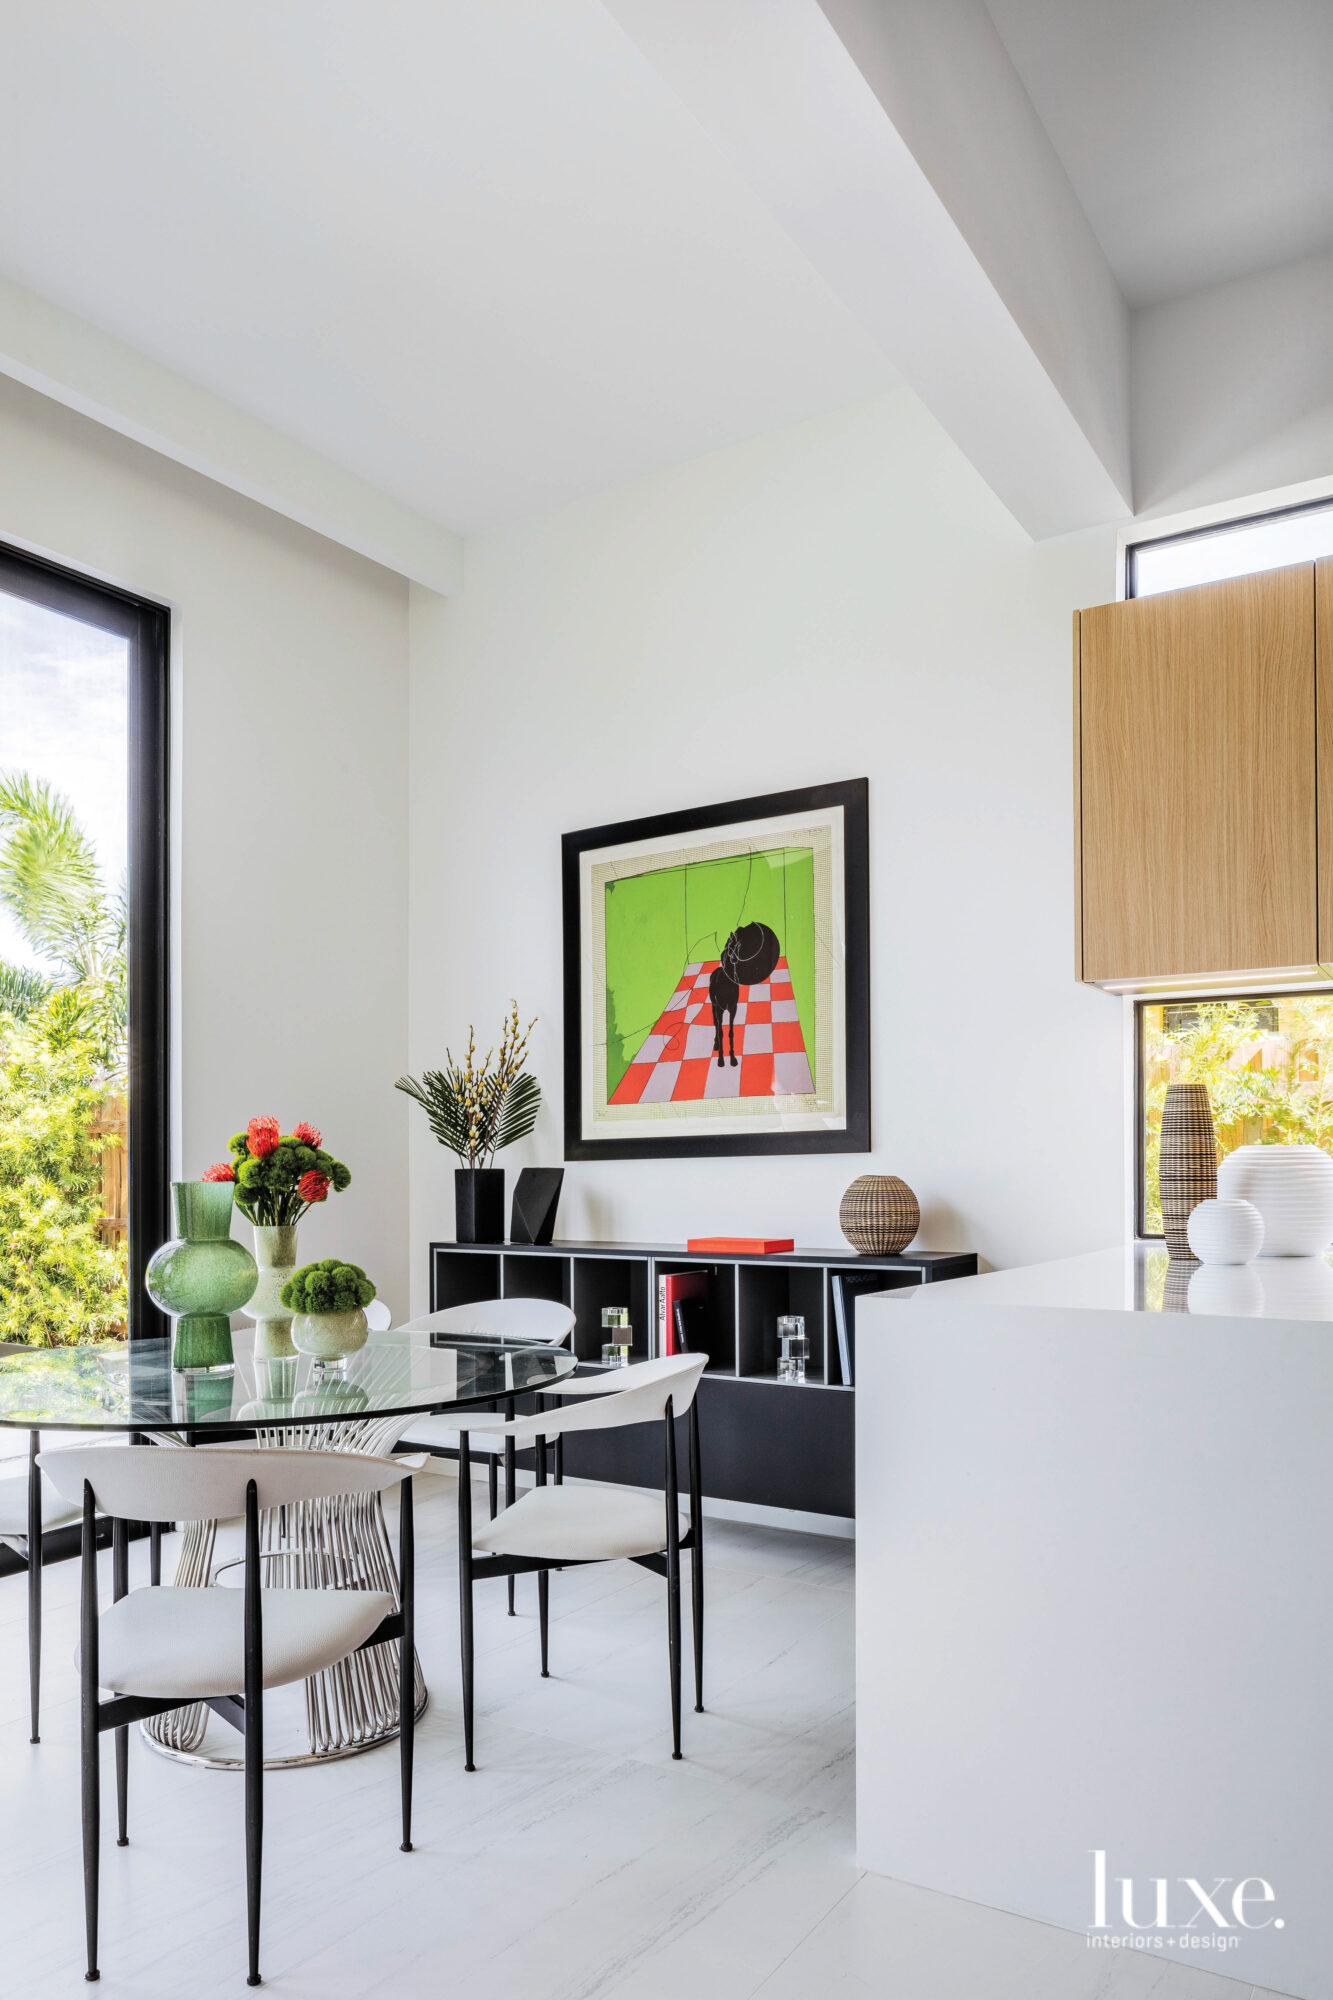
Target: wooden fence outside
<point>112,1129</point>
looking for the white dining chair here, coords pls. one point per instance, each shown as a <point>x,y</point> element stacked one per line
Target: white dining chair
<point>554,1526</point>
<point>534,1322</point>
<point>378,1317</point>
<point>157,1648</point>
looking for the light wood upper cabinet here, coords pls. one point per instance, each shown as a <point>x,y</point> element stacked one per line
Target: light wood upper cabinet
<point>1198,735</point>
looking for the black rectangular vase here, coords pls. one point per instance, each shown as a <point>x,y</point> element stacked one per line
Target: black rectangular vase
<point>479,1204</point>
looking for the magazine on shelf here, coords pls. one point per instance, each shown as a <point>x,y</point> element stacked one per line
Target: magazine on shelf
<point>690,1325</point>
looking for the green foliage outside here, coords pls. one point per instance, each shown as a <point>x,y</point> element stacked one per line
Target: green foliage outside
<point>1268,1085</point>
<point>327,1287</point>
<point>659,922</point>
<point>62,1050</point>
<point>61,1283</point>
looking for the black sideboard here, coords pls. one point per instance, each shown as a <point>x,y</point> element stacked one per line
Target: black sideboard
<point>765,1442</point>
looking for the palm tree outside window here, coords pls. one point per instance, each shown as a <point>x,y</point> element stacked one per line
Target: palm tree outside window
<point>83,1002</point>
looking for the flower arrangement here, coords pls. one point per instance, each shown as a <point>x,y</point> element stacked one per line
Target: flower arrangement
<point>475,1109</point>
<point>279,1175</point>
<point>327,1287</point>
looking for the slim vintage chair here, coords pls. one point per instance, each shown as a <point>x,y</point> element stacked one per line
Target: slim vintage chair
<point>159,1648</point>
<point>535,1321</point>
<point>554,1526</point>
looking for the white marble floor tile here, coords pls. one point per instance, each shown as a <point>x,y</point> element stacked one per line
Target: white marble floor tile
<point>577,1863</point>
<point>888,1939</point>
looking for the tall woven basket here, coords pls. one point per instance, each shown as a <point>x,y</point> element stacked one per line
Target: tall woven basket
<point>1188,1160</point>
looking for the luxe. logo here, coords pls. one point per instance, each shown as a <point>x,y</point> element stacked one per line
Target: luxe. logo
<point>1177,1912</point>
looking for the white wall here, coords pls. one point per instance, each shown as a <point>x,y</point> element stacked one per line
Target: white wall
<point>842,598</point>
<point>291,722</point>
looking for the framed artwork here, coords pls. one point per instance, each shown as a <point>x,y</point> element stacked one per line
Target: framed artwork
<point>717,980</point>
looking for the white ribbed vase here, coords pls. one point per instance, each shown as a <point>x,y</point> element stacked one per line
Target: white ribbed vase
<point>1225,1232</point>
<point>1292,1188</point>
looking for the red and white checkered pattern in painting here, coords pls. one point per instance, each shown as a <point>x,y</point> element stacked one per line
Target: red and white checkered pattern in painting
<point>676,1064</point>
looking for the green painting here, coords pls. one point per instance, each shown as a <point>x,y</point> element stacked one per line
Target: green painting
<point>668,934</point>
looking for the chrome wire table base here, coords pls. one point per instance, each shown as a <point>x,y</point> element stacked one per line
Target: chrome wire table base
<point>341,1544</point>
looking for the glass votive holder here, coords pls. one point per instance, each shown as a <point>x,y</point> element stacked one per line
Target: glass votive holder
<point>793,1348</point>
<point>617,1341</point>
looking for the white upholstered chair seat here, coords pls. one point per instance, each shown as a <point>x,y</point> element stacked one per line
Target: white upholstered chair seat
<point>579,1524</point>
<point>164,1641</point>
<point>56,1513</point>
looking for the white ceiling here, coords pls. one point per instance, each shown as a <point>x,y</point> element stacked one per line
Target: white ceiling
<point>1197,134</point>
<point>399,267</point>
<point>475,251</point>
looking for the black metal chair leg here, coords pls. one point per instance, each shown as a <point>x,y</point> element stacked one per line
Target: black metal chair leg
<point>254,1731</point>
<point>34,1587</point>
<point>120,1583</point>
<point>465,1589</point>
<point>122,1787</point>
<point>155,1553</point>
<point>673,1576</point>
<point>407,1692</point>
<point>493,1484</point>
<point>697,1622</point>
<point>90,1745</point>
<point>511,1480</point>
<point>544,1616</point>
<point>697,1557</point>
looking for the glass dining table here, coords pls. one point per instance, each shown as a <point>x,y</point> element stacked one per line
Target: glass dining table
<point>364,1403</point>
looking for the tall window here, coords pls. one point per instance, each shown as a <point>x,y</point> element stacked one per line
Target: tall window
<point>83,954</point>
<point>1268,1065</point>
<point>1231,548</point>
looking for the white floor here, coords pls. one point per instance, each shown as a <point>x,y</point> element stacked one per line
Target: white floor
<point>578,1863</point>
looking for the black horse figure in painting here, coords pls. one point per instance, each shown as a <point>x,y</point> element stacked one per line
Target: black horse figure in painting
<point>748,959</point>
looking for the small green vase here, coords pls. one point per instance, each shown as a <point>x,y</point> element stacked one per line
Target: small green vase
<point>203,1275</point>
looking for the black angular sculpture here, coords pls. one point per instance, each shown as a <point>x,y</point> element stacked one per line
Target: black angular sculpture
<point>536,1198</point>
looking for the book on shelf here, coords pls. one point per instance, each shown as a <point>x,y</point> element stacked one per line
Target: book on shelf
<point>740,1246</point>
<point>847,1287</point>
<point>690,1325</point>
<point>673,1286</point>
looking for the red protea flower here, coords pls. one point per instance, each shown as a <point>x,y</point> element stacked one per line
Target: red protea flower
<point>307,1134</point>
<point>313,1186</point>
<point>262,1136</point>
<point>223,1171</point>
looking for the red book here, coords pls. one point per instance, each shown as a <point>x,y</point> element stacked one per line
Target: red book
<point>676,1285</point>
<point>740,1246</point>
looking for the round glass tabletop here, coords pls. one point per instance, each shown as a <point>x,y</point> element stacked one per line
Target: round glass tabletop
<point>132,1386</point>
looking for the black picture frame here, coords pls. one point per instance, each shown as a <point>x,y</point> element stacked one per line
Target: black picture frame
<point>147,628</point>
<point>852,796</point>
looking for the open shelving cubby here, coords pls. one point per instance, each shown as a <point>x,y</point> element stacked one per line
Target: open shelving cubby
<point>766,1443</point>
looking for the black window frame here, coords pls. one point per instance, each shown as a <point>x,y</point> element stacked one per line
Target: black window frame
<point>1212,529</point>
<point>146,626</point>
<point>1141,1232</point>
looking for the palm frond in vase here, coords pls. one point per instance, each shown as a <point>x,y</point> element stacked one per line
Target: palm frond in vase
<point>474,1108</point>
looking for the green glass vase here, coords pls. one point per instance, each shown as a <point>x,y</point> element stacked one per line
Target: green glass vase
<point>202,1276</point>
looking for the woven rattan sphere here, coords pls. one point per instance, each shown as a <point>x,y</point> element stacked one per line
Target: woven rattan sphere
<point>879,1215</point>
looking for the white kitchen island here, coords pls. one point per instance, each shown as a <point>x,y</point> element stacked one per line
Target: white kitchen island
<point>1095,1603</point>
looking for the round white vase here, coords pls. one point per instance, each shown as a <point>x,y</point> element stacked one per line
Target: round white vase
<point>1225,1232</point>
<point>1292,1188</point>
<point>330,1336</point>
<point>1229,1291</point>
